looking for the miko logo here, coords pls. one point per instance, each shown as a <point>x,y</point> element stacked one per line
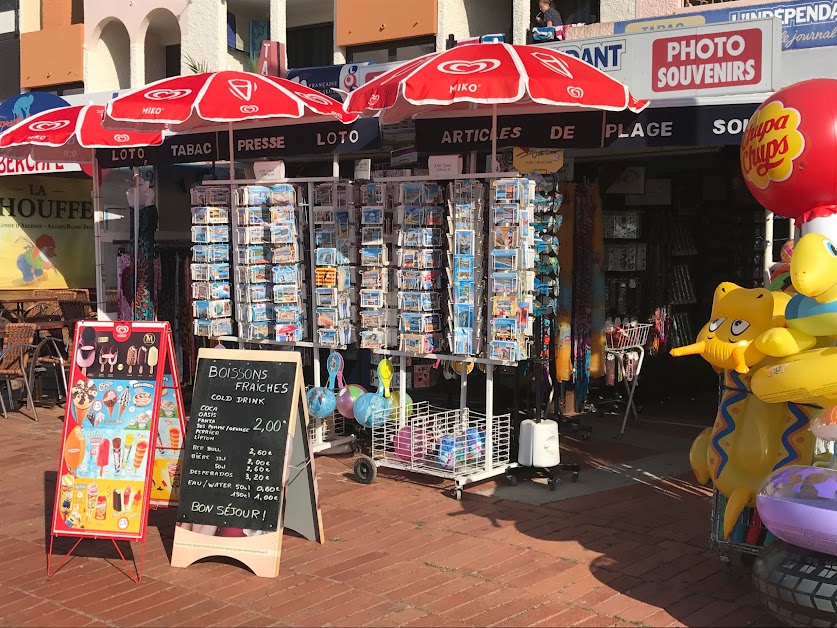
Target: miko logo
<point>553,63</point>
<point>167,94</point>
<point>575,92</point>
<point>374,99</point>
<point>248,109</point>
<point>242,88</point>
<point>121,138</point>
<point>478,66</point>
<point>48,125</point>
<point>317,99</point>
<point>122,332</point>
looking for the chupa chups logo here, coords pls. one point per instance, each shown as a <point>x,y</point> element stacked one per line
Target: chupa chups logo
<point>553,63</point>
<point>121,332</point>
<point>167,94</point>
<point>770,144</point>
<point>477,66</point>
<point>48,125</point>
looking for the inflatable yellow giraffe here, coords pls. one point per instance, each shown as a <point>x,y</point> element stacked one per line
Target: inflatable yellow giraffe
<point>750,438</point>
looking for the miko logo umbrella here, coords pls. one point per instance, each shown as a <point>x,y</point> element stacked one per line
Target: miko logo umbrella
<point>213,98</point>
<point>69,135</point>
<point>480,75</point>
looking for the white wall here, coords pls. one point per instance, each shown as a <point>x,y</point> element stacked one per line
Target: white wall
<point>107,61</point>
<point>472,18</point>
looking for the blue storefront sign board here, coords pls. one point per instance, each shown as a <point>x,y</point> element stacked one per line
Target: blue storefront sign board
<point>804,24</point>
<point>20,107</point>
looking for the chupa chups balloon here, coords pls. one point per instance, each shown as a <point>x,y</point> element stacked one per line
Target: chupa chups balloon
<point>787,153</point>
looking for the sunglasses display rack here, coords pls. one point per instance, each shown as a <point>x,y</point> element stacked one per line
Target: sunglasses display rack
<point>421,218</point>
<point>378,305</point>
<point>511,263</point>
<point>270,275</point>
<point>547,223</point>
<point>210,268</point>
<point>466,267</point>
<point>335,289</point>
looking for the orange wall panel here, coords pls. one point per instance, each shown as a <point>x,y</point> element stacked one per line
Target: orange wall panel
<point>359,22</point>
<point>56,14</point>
<point>52,57</point>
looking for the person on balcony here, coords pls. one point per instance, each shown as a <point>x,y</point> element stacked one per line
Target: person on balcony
<point>549,15</point>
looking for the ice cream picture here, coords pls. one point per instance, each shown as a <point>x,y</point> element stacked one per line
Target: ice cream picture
<point>110,401</point>
<point>83,394</point>
<point>117,454</point>
<point>108,356</point>
<point>86,352</point>
<point>153,354</point>
<point>74,450</point>
<point>124,400</point>
<point>103,457</point>
<point>139,453</point>
<point>142,358</point>
<point>131,359</point>
<point>142,399</point>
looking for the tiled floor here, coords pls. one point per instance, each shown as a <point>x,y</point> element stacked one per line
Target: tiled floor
<point>399,552</point>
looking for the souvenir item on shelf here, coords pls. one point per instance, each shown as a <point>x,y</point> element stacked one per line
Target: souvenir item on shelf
<point>420,242</point>
<point>513,279</point>
<point>466,200</point>
<point>378,308</point>
<point>335,236</point>
<point>210,271</point>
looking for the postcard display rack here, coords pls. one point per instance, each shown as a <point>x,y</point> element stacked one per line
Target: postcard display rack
<point>465,279</point>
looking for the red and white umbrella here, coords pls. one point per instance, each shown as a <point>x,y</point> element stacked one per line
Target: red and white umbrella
<point>481,75</point>
<point>68,135</point>
<point>213,98</point>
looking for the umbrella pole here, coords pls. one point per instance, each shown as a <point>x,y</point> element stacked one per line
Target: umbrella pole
<point>136,241</point>
<point>101,299</point>
<point>494,139</point>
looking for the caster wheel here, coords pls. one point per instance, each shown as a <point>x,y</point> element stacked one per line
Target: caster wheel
<point>511,479</point>
<point>585,436</point>
<point>356,447</point>
<point>365,470</point>
<point>552,484</point>
<point>574,476</point>
<point>458,494</point>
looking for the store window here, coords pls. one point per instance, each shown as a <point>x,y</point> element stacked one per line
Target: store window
<point>77,12</point>
<point>310,46</point>
<point>66,89</point>
<point>8,19</point>
<point>572,11</point>
<point>386,52</point>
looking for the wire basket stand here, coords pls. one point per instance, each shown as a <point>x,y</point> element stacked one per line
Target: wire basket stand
<point>461,445</point>
<point>748,538</point>
<point>627,346</point>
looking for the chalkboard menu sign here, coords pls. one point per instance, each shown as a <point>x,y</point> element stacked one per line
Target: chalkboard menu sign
<point>232,475</point>
<point>248,429</point>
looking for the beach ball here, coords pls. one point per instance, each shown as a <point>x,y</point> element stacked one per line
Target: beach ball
<point>321,402</point>
<point>366,408</point>
<point>411,444</point>
<point>394,402</point>
<point>346,398</point>
<point>824,426</point>
<point>462,367</point>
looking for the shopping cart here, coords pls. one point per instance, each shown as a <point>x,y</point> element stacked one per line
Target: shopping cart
<point>627,346</point>
<point>748,537</point>
<point>461,445</point>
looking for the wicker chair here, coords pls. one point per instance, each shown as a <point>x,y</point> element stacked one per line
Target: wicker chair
<point>48,355</point>
<point>14,361</point>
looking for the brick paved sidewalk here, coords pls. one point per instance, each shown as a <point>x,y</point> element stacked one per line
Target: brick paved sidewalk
<point>399,553</point>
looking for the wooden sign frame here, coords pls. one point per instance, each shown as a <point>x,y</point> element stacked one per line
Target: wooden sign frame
<point>299,508</point>
<point>73,492</point>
